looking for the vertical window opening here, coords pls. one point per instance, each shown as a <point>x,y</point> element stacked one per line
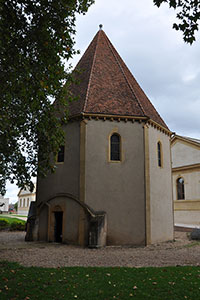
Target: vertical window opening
<point>61,154</point>
<point>115,147</point>
<point>58,226</point>
<point>180,189</point>
<point>159,149</point>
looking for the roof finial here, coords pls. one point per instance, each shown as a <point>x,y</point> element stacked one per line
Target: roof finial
<point>100,27</point>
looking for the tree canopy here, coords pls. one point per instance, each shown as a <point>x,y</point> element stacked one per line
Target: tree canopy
<point>36,38</point>
<point>188,15</point>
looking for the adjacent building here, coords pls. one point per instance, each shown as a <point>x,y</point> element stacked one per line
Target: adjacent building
<point>186,179</point>
<point>113,182</point>
<point>25,196</point>
<point>4,204</point>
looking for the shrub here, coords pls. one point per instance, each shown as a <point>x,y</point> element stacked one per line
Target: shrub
<point>17,226</point>
<point>4,224</point>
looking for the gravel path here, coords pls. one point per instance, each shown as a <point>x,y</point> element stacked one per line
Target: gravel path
<point>180,252</point>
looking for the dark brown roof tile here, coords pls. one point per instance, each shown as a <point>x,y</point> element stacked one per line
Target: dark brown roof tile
<point>107,86</point>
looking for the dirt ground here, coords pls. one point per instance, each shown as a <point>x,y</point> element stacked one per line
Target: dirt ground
<point>181,251</point>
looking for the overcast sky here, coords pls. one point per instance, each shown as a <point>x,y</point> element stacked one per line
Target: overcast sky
<point>166,68</point>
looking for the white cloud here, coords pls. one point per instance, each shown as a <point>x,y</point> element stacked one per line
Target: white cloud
<point>12,191</point>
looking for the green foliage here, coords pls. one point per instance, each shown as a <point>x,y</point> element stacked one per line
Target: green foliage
<point>17,226</point>
<point>4,224</point>
<point>188,16</point>
<point>10,219</point>
<point>36,39</point>
<point>16,206</point>
<point>16,215</point>
<point>174,283</point>
<point>12,224</point>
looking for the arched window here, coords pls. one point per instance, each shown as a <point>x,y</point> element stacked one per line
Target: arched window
<point>61,154</point>
<point>159,152</point>
<point>115,147</point>
<point>180,188</point>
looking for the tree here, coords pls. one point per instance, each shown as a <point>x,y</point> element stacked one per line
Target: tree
<point>16,206</point>
<point>188,16</point>
<point>36,38</point>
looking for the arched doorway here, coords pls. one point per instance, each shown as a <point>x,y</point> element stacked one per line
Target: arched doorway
<point>58,215</point>
<point>58,224</point>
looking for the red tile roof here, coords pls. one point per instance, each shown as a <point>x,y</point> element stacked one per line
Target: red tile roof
<point>106,86</point>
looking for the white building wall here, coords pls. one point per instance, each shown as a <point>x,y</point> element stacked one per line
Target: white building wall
<point>5,207</point>
<point>184,155</point>
<point>187,217</point>
<point>24,200</point>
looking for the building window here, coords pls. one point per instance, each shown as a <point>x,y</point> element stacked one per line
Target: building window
<point>115,147</point>
<point>24,203</point>
<point>159,152</point>
<point>61,154</point>
<point>180,188</point>
<point>27,202</point>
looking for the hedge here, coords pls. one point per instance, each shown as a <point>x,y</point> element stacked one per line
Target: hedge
<point>15,225</point>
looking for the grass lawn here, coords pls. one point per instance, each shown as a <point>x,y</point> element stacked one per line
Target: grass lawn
<point>23,216</point>
<point>170,283</point>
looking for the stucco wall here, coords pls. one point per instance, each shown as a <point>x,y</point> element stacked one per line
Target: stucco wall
<point>71,222</point>
<point>43,224</point>
<point>64,180</point>
<point>187,156</point>
<point>187,217</point>
<point>117,187</point>
<point>184,154</point>
<point>66,177</point>
<point>161,206</point>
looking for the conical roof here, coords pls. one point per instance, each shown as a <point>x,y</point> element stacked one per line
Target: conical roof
<point>106,86</point>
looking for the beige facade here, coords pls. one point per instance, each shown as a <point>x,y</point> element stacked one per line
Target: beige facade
<point>117,187</point>
<point>24,200</point>
<point>130,191</point>
<point>186,165</point>
<point>60,192</point>
<point>160,187</point>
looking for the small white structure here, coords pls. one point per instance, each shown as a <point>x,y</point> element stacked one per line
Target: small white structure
<point>186,179</point>
<point>4,204</point>
<point>25,196</point>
